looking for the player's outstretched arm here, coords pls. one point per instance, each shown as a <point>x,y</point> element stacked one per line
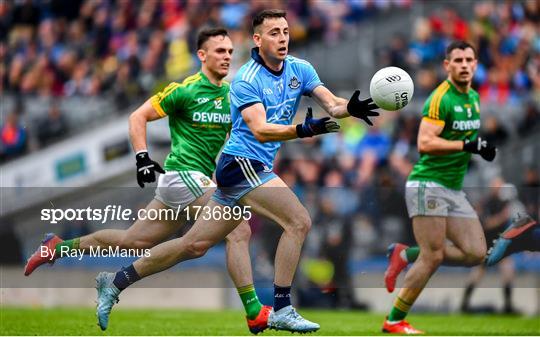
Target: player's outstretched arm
<point>338,107</point>
<point>146,167</point>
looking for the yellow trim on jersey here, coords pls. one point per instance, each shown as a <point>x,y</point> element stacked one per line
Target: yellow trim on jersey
<point>168,90</point>
<point>436,99</point>
<point>155,103</point>
<point>192,79</point>
<point>434,121</point>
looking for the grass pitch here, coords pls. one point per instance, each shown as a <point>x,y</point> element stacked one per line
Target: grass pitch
<point>76,321</point>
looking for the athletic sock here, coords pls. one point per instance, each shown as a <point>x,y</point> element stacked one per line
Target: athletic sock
<point>533,244</point>
<point>125,277</point>
<point>403,303</point>
<point>467,297</point>
<point>251,302</point>
<point>282,297</point>
<point>399,310</point>
<point>528,241</point>
<point>508,307</point>
<point>410,254</point>
<point>71,244</point>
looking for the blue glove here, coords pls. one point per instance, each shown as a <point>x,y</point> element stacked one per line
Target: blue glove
<point>313,126</point>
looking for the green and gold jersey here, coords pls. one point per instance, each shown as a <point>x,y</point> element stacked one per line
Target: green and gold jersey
<point>459,114</point>
<point>199,120</point>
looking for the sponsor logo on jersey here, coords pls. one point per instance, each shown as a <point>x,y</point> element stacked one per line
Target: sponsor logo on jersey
<point>466,125</point>
<point>211,117</point>
<point>294,83</point>
<point>268,91</point>
<point>202,100</point>
<point>458,108</point>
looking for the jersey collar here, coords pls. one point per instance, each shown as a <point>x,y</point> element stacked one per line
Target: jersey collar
<point>255,55</point>
<point>455,90</point>
<point>207,81</point>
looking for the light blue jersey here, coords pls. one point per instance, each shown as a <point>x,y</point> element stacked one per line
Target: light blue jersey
<point>279,92</point>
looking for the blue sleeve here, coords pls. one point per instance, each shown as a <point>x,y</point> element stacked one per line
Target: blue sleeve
<point>311,79</point>
<point>243,95</point>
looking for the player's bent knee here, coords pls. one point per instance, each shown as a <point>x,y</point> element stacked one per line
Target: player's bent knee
<point>300,224</point>
<point>242,234</point>
<point>476,257</point>
<point>433,259</point>
<point>197,248</point>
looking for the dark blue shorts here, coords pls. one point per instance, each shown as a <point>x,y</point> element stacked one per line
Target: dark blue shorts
<point>237,176</point>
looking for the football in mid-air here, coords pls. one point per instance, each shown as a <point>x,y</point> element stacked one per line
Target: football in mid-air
<point>391,88</point>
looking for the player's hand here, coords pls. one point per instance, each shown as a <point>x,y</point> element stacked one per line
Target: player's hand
<point>146,168</point>
<point>362,109</point>
<point>313,126</point>
<point>480,146</point>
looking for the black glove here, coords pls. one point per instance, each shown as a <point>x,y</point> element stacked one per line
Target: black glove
<point>362,109</point>
<point>313,126</point>
<point>146,168</point>
<point>481,147</point>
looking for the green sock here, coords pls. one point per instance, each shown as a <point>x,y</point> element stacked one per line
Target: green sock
<point>412,253</point>
<point>399,310</point>
<point>71,244</point>
<point>251,302</point>
<point>396,315</point>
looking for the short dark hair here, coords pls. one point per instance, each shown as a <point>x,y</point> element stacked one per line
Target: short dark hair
<point>207,33</point>
<point>268,14</point>
<point>459,45</point>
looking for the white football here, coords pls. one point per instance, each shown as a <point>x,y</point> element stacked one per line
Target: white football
<point>391,88</point>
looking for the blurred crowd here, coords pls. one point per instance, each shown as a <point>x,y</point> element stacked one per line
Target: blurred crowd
<point>129,49</point>
<point>506,34</point>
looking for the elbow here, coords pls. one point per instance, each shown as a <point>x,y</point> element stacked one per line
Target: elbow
<point>261,138</point>
<point>133,118</point>
<point>137,118</point>
<point>424,146</point>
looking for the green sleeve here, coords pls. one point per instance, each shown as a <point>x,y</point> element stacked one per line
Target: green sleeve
<point>170,100</point>
<point>435,108</point>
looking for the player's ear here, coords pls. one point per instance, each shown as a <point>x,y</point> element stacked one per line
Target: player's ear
<point>201,54</point>
<point>257,39</point>
<point>445,64</point>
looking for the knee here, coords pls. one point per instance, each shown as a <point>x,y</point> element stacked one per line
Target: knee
<point>433,258</point>
<point>300,224</point>
<point>240,236</point>
<point>475,256</point>
<point>196,249</point>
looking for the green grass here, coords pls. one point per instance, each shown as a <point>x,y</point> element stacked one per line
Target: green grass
<point>76,321</point>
